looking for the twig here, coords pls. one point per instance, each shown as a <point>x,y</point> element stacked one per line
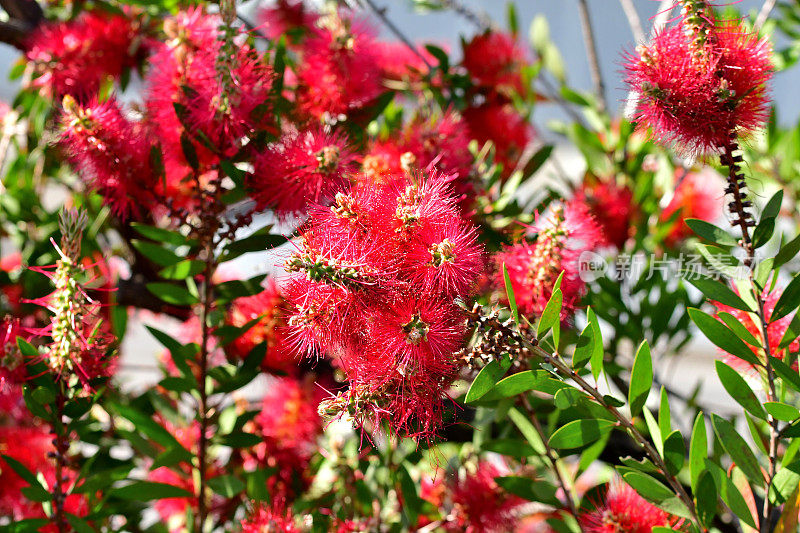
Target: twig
<point>381,13</point>
<point>633,20</point>
<point>553,460</point>
<point>591,53</point>
<point>763,15</point>
<point>61,445</point>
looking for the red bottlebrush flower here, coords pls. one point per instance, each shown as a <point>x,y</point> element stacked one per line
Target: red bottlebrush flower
<point>340,70</point>
<point>534,268</point>
<point>624,511</point>
<point>697,195</point>
<point>612,207</point>
<point>220,103</point>
<point>304,167</point>
<point>30,446</point>
<point>268,305</point>
<point>695,94</point>
<point>382,163</point>
<point>443,142</point>
<point>288,425</point>
<point>775,330</point>
<point>274,519</point>
<point>445,258</point>
<point>111,153</point>
<point>398,62</point>
<point>389,321</point>
<point>495,60</point>
<point>509,131</point>
<point>479,504</point>
<point>286,17</point>
<point>75,57</point>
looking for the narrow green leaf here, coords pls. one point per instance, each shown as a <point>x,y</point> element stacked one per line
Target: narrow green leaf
<point>784,483</point>
<point>648,487</point>
<point>722,336</point>
<point>596,362</point>
<point>226,486</point>
<point>580,433</point>
<point>551,313</point>
<point>773,206</point>
<point>148,490</point>
<point>706,498</point>
<point>719,292</point>
<point>763,232</point>
<point>674,451</point>
<point>512,301</point>
<point>641,378</point>
<point>710,232</point>
<point>792,332</point>
<point>739,390</point>
<point>740,331</point>
<point>782,411</point>
<point>584,348</point>
<point>160,234</point>
<point>187,268</point>
<point>787,252</point>
<point>515,384</point>
<point>172,294</point>
<point>738,449</point>
<point>484,381</point>
<point>156,253</point>
<point>527,429</point>
<point>698,449</point>
<point>664,415</point>
<point>729,492</point>
<point>788,301</point>
<point>654,429</point>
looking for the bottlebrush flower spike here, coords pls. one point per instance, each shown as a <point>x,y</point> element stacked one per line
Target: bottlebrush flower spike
<point>304,167</point>
<point>699,81</point>
<point>77,351</point>
<point>389,322</point>
<point>273,519</point>
<point>612,207</point>
<point>534,268</point>
<point>479,504</point>
<point>111,154</point>
<point>288,424</point>
<point>267,306</point>
<point>509,132</point>
<point>75,57</point>
<point>495,60</point>
<point>340,68</point>
<point>697,195</point>
<point>286,17</point>
<point>623,510</point>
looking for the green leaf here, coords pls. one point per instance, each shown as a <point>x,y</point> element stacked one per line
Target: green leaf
<point>484,381</point>
<point>706,498</point>
<point>664,415</point>
<point>722,336</point>
<point>710,232</point>
<point>187,268</point>
<point>259,241</point>
<point>579,433</point>
<point>654,429</point>
<point>596,362</point>
<point>515,384</point>
<point>719,292</point>
<point>528,489</point>
<point>786,373</point>
<point>674,451</point>
<point>788,301</point>
<point>729,492</point>
<point>148,490</point>
<point>512,301</point>
<point>551,313</point>
<point>257,484</point>
<point>773,207</point>
<point>738,449</point>
<point>189,151</point>
<point>509,447</point>
<point>239,439</point>
<point>149,427</point>
<point>648,487</point>
<point>698,449</point>
<point>226,486</point>
<point>782,411</point>
<point>763,232</point>
<point>527,429</point>
<point>739,390</point>
<point>787,252</point>
<point>239,288</point>
<point>172,294</point>
<point>792,332</point>
<point>740,331</point>
<point>584,348</point>
<point>641,378</point>
<point>784,483</point>
<point>38,491</point>
<point>156,253</point>
<point>160,234</point>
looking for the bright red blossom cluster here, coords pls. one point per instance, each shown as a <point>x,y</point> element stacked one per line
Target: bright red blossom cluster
<point>624,511</point>
<point>377,274</point>
<point>697,91</point>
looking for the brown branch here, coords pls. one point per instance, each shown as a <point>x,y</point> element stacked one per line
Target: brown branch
<point>633,20</point>
<point>591,54</point>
